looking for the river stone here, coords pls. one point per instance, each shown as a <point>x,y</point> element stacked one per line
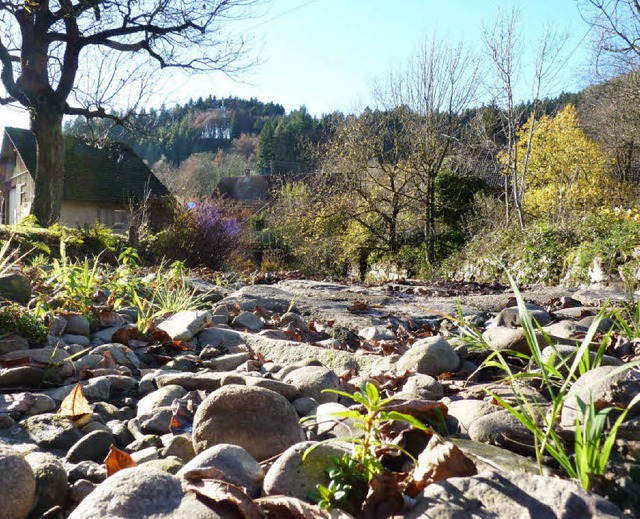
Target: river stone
<point>510,317</point>
<point>92,447</point>
<point>182,326</point>
<point>162,397</point>
<point>504,430</point>
<point>294,319</point>
<point>17,484</point>
<point>219,337</point>
<point>377,333</point>
<point>567,353</point>
<point>51,431</point>
<point>22,377</point>
<point>227,362</point>
<point>566,329</point>
<point>140,492</point>
<point>430,356</point>
<point>312,381</point>
<point>15,287</point>
<point>237,466</point>
<point>260,420</point>
<point>289,391</point>
<point>179,446</point>
<point>51,482</point>
<point>501,338</point>
<point>81,340</point>
<point>601,386</point>
<point>121,354</point>
<point>87,470</point>
<point>424,387</point>
<point>77,324</point>
<point>249,321</point>
<point>492,457</point>
<point>13,342</point>
<point>191,381</point>
<point>292,476</point>
<point>505,495</point>
<point>468,411</point>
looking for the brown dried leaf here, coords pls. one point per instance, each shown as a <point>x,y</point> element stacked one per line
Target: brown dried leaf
<point>75,405</point>
<point>225,499</point>
<point>285,507</point>
<point>107,362</point>
<point>358,307</point>
<point>442,460</point>
<point>117,460</point>
<point>384,498</point>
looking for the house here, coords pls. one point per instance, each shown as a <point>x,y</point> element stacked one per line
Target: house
<point>251,190</point>
<point>100,184</point>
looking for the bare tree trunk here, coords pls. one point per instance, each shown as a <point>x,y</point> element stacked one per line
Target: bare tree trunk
<point>46,125</point>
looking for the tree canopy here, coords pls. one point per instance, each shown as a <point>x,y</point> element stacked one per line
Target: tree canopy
<point>75,58</point>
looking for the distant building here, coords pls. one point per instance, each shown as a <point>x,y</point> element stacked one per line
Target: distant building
<point>100,184</point>
<point>247,189</point>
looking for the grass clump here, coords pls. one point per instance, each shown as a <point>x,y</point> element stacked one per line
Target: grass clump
<point>589,454</point>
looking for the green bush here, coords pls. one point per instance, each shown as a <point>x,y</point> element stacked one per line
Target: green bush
<point>15,319</point>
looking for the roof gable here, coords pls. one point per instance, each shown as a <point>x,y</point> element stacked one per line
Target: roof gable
<point>111,174</point>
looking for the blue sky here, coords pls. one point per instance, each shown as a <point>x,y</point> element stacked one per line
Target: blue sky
<point>326,54</point>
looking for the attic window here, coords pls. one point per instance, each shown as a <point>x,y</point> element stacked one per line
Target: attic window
<point>22,189</point>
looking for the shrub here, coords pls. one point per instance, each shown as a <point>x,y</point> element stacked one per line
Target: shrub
<point>206,234</point>
<point>14,318</point>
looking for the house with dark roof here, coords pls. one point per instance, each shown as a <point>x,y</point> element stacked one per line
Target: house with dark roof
<point>100,184</point>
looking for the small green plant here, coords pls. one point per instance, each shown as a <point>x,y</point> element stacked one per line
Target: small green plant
<point>354,471</point>
<point>14,318</point>
<point>627,319</point>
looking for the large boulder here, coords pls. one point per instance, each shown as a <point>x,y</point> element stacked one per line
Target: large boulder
<point>257,419</point>
<point>141,492</point>
<point>505,495</point>
<point>15,287</point>
<point>17,485</point>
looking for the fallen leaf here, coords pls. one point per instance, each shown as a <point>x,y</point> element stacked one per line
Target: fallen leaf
<point>441,460</point>
<point>117,460</point>
<point>225,499</point>
<point>107,362</point>
<point>75,406</point>
<point>384,498</point>
<point>183,410</point>
<point>358,307</point>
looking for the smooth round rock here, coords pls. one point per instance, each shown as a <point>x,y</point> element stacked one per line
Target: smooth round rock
<point>292,476</point>
<point>260,420</point>
<point>235,463</point>
<point>51,481</point>
<point>17,485</point>
<point>92,447</point>
<point>141,492</point>
<point>504,430</point>
<point>430,356</point>
<point>598,384</point>
<point>422,386</point>
<point>312,381</point>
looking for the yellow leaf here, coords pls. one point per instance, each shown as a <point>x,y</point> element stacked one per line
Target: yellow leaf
<point>75,406</point>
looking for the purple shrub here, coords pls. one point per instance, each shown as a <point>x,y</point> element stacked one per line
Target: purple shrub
<point>207,234</point>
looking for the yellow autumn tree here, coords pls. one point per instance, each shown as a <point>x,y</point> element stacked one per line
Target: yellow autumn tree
<point>566,172</point>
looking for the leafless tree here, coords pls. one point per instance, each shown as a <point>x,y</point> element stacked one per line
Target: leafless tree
<point>617,33</point>
<point>436,86</point>
<point>78,57</point>
<point>505,52</point>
